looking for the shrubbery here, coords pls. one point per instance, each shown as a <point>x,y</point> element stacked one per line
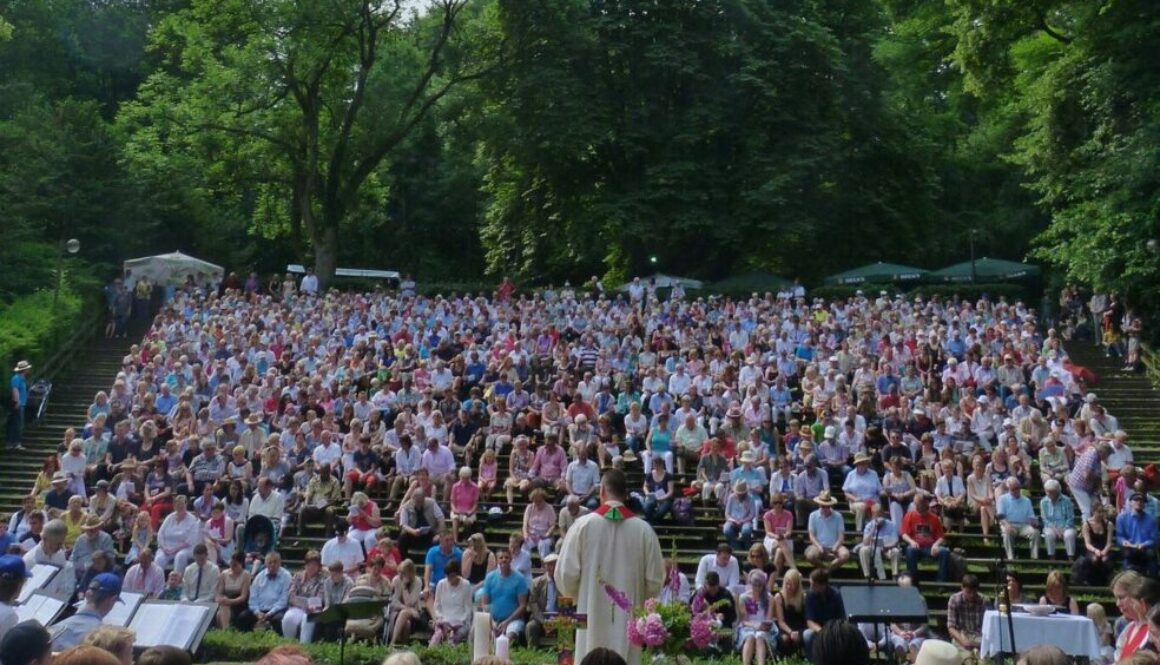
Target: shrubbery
<point>31,330</point>
<point>232,646</point>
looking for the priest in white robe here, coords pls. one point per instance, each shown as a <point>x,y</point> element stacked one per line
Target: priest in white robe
<point>609,546</point>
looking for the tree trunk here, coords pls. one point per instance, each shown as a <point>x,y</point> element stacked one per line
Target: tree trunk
<point>325,252</point>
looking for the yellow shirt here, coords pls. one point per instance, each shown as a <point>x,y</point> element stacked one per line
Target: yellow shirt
<point>74,528</point>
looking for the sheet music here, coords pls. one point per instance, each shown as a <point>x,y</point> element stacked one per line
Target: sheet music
<point>41,607</point>
<point>123,611</point>
<point>168,624</point>
<point>42,574</point>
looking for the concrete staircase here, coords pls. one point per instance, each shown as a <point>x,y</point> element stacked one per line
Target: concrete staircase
<point>92,368</point>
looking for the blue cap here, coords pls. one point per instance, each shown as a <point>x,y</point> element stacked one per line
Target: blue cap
<point>12,566</point>
<point>106,584</point>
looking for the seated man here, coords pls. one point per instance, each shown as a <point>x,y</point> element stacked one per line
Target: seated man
<point>826,529</point>
<point>923,532</point>
<point>965,615</point>
<point>823,604</point>
<point>323,494</point>
<point>879,538</point>
<point>723,564</point>
<point>1058,517</point>
<point>740,514</point>
<point>505,597</point>
<point>1017,518</point>
<point>269,597</point>
<point>862,488</point>
<point>1136,533</point>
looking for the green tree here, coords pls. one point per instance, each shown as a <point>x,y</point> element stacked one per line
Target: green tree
<point>1083,79</point>
<point>298,102</point>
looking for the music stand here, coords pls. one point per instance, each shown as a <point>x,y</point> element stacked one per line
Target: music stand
<point>41,575</point>
<point>122,612</point>
<point>884,604</point>
<point>171,623</point>
<point>41,607</point>
<point>342,612</point>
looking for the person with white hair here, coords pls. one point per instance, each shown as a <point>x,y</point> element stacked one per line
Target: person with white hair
<point>1057,515</point>
<point>1017,518</point>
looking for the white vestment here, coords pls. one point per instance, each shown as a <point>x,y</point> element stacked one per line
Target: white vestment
<point>624,554</point>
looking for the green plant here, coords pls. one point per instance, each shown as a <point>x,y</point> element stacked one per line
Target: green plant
<point>232,646</point>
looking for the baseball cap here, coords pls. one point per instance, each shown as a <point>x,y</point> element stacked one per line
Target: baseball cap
<point>24,643</point>
<point>12,566</point>
<point>106,584</point>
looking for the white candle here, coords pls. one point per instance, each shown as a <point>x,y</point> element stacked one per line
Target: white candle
<point>481,640</point>
<point>501,647</point>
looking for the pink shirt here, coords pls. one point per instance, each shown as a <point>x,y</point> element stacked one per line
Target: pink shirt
<point>778,524</point>
<point>540,521</point>
<point>550,465</point>
<point>487,471</point>
<point>464,495</point>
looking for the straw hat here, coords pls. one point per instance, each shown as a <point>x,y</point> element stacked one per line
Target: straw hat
<point>824,498</point>
<point>861,457</point>
<point>938,652</point>
<point>91,523</point>
<point>22,366</point>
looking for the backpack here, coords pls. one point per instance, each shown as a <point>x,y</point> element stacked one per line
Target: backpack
<point>683,511</point>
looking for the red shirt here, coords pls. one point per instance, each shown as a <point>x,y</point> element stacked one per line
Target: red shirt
<point>924,529</point>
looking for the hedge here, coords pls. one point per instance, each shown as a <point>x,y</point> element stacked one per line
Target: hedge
<point>232,646</point>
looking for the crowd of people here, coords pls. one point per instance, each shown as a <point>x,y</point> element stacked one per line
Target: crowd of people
<point>383,420</point>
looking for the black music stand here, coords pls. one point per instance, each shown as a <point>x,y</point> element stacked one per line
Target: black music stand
<point>884,604</point>
<point>342,612</point>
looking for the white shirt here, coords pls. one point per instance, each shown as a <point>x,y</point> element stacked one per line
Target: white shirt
<point>271,507</point>
<point>350,553</point>
<point>310,284</point>
<point>730,574</point>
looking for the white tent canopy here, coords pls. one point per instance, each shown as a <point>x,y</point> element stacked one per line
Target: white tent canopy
<point>664,281</point>
<point>165,268</point>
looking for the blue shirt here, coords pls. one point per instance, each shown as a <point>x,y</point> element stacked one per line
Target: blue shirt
<point>1060,514</point>
<point>503,593</point>
<point>271,595</point>
<point>1133,529</point>
<point>1016,511</point>
<point>829,530</point>
<point>20,385</point>
<point>436,560</point>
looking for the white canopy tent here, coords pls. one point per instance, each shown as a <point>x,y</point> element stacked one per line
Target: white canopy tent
<point>664,281</point>
<point>164,268</point>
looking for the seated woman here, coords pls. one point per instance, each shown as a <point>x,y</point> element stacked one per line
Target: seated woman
<point>233,591</point>
<point>452,614</point>
<point>1056,594</point>
<point>756,631</point>
<point>406,609</point>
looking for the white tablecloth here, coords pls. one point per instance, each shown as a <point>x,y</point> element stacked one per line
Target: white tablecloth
<point>1076,635</point>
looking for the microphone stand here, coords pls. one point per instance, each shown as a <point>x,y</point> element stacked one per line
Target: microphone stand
<point>874,556</point>
<point>1005,599</point>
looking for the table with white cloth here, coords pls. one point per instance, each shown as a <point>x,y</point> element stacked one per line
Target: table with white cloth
<point>1075,635</point>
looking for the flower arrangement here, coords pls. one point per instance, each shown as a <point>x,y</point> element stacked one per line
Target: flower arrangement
<point>669,628</point>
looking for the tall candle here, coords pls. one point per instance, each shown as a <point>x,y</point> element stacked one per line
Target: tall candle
<point>502,647</point>
<point>481,635</point>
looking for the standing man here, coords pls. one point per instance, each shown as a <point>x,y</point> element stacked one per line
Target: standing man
<point>18,402</point>
<point>609,546</point>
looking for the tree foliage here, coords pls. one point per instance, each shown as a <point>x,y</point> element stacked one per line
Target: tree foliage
<point>301,103</point>
<point>556,139</point>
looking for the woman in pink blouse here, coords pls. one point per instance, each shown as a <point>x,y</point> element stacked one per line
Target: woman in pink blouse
<point>539,519</point>
<point>779,534</point>
<point>464,502</point>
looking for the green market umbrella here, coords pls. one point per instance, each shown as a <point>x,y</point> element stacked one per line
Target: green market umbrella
<point>878,272</point>
<point>986,270</point>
